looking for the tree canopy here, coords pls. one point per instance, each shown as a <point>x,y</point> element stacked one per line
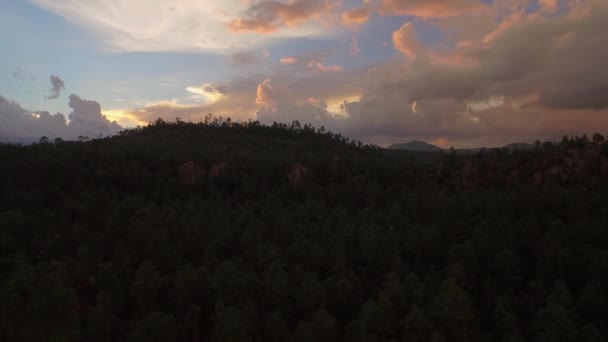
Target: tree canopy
<point>227,231</point>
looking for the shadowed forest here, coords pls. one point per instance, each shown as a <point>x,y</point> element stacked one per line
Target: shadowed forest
<point>222,231</point>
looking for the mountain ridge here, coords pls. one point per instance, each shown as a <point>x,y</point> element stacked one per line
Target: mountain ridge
<point>416,145</point>
<point>423,146</point>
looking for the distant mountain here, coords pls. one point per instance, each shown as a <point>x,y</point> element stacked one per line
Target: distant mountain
<point>419,146</point>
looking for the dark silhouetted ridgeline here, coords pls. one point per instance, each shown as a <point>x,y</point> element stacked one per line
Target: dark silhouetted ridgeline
<point>420,146</point>
<point>223,231</point>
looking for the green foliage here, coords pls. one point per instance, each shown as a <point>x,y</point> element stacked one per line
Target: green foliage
<point>222,231</point>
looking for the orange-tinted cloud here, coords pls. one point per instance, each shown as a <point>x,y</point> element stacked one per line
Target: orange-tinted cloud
<point>289,60</point>
<point>514,90</point>
<point>405,41</point>
<point>532,76</point>
<point>549,5</point>
<point>269,16</point>
<point>504,26</point>
<point>264,94</point>
<point>320,67</point>
<point>356,16</point>
<point>317,102</point>
<point>430,8</point>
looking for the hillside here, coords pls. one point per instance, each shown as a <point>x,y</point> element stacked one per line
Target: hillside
<point>243,232</point>
<point>419,146</point>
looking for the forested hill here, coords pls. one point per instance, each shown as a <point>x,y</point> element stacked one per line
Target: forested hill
<point>242,232</point>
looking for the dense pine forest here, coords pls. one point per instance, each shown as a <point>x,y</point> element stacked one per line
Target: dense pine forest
<point>222,231</point>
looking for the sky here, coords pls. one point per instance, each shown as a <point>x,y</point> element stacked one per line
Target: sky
<point>462,73</point>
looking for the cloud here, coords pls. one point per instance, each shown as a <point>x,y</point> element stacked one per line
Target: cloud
<point>86,119</point>
<point>168,110</point>
<point>357,16</point>
<point>236,100</point>
<point>264,97</point>
<point>21,125</point>
<point>282,104</point>
<point>187,26</point>
<point>430,8</point>
<point>123,118</point>
<point>488,92</point>
<point>468,26</point>
<point>507,23</point>
<point>549,5</point>
<point>281,91</point>
<point>512,90</point>
<point>57,85</point>
<point>289,60</point>
<point>312,61</point>
<point>215,89</point>
<point>320,67</point>
<point>405,41</point>
<point>208,93</point>
<point>539,77</point>
<point>270,16</point>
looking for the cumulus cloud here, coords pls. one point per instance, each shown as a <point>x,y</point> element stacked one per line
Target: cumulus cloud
<point>315,61</point>
<point>21,125</point>
<point>269,16</point>
<point>57,85</point>
<point>281,104</point>
<point>357,16</point>
<point>320,67</point>
<point>289,60</point>
<point>513,89</point>
<point>504,26</point>
<point>405,41</point>
<point>485,92</point>
<point>430,8</point>
<point>264,97</point>
<point>278,93</point>
<point>86,118</point>
<point>549,5</point>
<point>513,76</point>
<point>209,88</point>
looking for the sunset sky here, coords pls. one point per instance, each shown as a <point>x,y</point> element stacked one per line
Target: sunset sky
<point>460,73</point>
